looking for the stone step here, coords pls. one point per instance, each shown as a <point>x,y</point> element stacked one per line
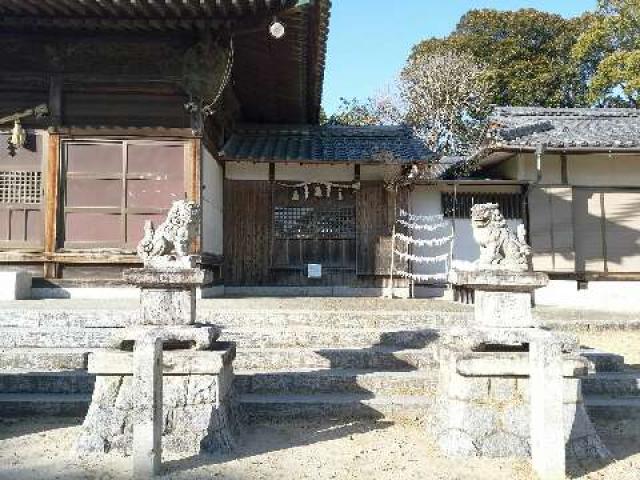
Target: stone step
<point>613,384</point>
<point>419,382</point>
<point>109,318</point>
<point>44,359</point>
<point>284,408</point>
<point>56,405</point>
<point>56,337</point>
<point>373,358</point>
<point>66,318</point>
<point>265,338</point>
<point>23,381</point>
<point>315,337</point>
<point>604,407</point>
<point>603,361</point>
<point>343,319</point>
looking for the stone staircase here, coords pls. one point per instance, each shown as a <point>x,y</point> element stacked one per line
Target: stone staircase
<point>612,392</point>
<point>303,360</point>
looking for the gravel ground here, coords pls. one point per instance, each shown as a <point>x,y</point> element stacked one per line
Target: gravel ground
<point>41,448</point>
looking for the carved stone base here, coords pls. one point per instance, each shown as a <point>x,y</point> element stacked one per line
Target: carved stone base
<point>197,408</point>
<point>168,295</point>
<point>485,398</point>
<point>502,298</point>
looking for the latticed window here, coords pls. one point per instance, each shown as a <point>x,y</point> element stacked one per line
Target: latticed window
<point>314,222</point>
<point>21,194</point>
<point>459,206</point>
<point>20,187</point>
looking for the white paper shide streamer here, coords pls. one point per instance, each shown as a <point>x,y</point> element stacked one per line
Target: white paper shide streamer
<point>424,223</point>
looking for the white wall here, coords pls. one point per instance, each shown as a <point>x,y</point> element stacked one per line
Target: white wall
<point>604,170</point>
<point>426,200</point>
<point>246,171</point>
<point>314,172</point>
<point>212,204</point>
<point>589,170</point>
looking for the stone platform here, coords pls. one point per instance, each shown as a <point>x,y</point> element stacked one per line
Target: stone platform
<point>317,357</point>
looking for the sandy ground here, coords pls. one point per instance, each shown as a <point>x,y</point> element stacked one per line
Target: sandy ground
<point>38,449</point>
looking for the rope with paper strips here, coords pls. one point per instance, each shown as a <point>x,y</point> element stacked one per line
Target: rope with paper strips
<point>423,223</point>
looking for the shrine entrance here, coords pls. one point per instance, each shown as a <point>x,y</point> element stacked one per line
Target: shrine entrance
<point>314,225</point>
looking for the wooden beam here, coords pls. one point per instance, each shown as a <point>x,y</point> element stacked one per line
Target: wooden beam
<point>52,188</point>
<point>193,155</point>
<point>564,171</point>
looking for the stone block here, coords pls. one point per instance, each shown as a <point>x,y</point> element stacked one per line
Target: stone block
<point>169,278</point>
<point>547,417</point>
<point>502,444</point>
<point>500,280</point>
<point>515,420</point>
<point>456,443</point>
<point>200,337</point>
<point>503,389</point>
<point>477,420</point>
<point>174,362</point>
<point>167,306</point>
<point>147,401</point>
<point>15,285</point>
<point>468,388</point>
<point>503,309</point>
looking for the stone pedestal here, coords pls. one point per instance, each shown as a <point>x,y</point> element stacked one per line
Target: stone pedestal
<point>15,285</point>
<point>508,388</point>
<point>502,298</point>
<point>167,295</point>
<point>165,384</point>
<point>490,403</point>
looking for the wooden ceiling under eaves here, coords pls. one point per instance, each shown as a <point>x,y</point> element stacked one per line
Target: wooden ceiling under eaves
<point>275,81</point>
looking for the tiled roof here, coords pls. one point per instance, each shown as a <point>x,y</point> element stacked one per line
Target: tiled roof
<point>617,128</point>
<point>317,144</point>
<point>161,13</point>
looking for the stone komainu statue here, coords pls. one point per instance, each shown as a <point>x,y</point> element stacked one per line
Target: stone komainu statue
<point>500,248</point>
<point>173,235</point>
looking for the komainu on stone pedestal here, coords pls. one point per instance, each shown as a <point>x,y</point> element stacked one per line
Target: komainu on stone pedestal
<point>175,234</point>
<point>499,246</point>
<point>192,374</point>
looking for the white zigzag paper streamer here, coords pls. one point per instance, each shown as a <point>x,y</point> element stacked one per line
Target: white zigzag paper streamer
<point>421,218</point>
<point>423,278</point>
<point>429,242</point>
<point>417,259</point>
<point>429,227</point>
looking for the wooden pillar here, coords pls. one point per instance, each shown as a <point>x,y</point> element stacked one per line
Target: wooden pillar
<point>52,189</point>
<point>193,183</point>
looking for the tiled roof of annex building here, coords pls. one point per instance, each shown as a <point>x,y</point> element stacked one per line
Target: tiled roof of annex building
<point>566,128</point>
<point>325,144</point>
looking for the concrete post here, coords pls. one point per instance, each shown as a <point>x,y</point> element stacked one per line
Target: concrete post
<point>147,386</point>
<point>547,429</point>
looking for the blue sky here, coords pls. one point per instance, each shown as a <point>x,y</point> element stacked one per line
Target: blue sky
<point>369,40</point>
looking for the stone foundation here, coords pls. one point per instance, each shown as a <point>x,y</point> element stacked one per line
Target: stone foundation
<point>489,414</point>
<point>196,407</point>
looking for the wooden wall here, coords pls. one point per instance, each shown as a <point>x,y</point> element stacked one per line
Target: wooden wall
<point>248,212</point>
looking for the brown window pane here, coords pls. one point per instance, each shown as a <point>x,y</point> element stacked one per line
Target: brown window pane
<point>166,161</point>
<point>35,226</point>
<point>94,158</point>
<point>92,227</point>
<point>154,193</point>
<point>4,224</point>
<point>135,226</point>
<point>18,228</point>
<point>82,192</point>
